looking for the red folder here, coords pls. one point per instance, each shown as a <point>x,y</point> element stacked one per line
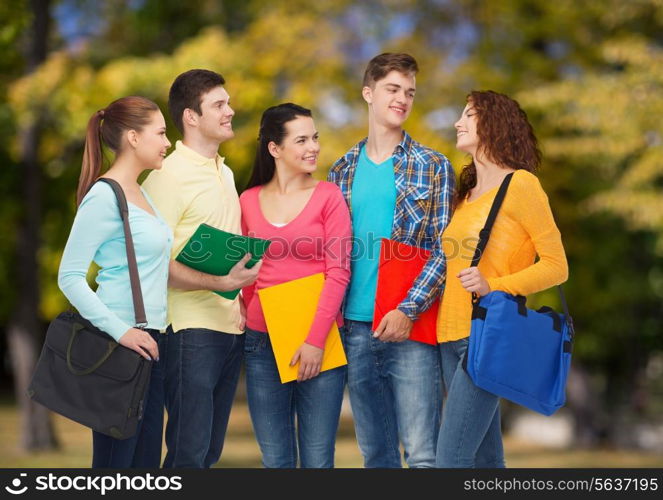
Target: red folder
<point>399,266</point>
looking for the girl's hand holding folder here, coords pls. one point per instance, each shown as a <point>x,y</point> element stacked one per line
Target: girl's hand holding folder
<point>310,361</point>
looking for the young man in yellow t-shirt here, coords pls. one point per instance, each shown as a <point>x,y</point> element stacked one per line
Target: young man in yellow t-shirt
<point>205,341</point>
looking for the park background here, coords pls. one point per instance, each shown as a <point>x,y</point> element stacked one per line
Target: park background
<point>589,74</point>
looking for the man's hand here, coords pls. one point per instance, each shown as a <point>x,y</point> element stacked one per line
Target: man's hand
<point>240,275</point>
<point>394,327</point>
<point>185,278</point>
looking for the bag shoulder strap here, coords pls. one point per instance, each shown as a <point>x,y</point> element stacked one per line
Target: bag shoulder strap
<point>484,235</point>
<point>136,292</point>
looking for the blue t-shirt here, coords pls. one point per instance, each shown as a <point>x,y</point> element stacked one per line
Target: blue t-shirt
<point>373,204</point>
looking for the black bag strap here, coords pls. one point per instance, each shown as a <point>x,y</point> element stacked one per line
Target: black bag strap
<point>134,278</point>
<point>484,235</point>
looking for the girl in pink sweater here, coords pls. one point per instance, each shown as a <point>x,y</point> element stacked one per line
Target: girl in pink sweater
<point>309,225</point>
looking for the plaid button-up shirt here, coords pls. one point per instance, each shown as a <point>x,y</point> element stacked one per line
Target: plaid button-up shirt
<point>424,188</point>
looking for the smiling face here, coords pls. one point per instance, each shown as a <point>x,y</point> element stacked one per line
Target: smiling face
<point>215,121</point>
<point>151,143</point>
<point>390,99</point>
<point>467,139</point>
<point>299,149</point>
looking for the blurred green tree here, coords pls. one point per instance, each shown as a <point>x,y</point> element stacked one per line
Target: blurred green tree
<point>23,327</point>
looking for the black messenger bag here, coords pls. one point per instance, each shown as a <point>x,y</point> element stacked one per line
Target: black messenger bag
<point>84,374</point>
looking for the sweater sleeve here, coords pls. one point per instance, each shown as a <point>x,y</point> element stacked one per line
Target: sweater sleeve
<point>532,210</point>
<point>337,248</point>
<point>97,221</point>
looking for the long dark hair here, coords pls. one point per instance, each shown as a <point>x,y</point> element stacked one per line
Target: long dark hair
<point>106,126</point>
<point>272,129</point>
<point>505,137</point>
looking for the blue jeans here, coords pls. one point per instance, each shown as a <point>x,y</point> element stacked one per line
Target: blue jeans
<point>470,435</point>
<point>201,378</point>
<point>273,405</point>
<point>143,449</point>
<point>395,392</point>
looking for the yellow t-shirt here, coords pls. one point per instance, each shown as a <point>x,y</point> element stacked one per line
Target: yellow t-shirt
<point>190,190</point>
<point>524,228</point>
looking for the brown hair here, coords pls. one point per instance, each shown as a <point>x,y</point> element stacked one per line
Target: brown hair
<point>106,126</point>
<point>380,66</point>
<point>505,137</point>
<point>187,92</point>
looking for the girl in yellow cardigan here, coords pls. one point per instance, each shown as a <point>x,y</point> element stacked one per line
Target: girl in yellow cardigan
<point>496,133</point>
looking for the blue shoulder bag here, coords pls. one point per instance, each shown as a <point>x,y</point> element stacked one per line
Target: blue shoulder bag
<point>514,352</point>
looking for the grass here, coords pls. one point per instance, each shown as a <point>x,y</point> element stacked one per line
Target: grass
<point>241,449</point>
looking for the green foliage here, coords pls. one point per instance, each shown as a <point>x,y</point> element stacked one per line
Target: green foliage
<point>14,17</point>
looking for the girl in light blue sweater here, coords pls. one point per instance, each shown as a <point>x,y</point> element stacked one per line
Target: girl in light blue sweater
<point>135,130</point>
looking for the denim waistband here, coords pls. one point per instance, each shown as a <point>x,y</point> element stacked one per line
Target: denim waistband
<point>370,323</point>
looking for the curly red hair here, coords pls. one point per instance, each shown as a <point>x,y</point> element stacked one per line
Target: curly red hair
<point>505,137</point>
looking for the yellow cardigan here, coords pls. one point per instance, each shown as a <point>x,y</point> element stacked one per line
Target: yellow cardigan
<point>523,229</point>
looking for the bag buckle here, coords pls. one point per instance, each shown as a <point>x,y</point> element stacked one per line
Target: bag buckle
<point>572,331</point>
<point>141,326</point>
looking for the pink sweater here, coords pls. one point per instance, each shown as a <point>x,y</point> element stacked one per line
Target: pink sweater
<point>318,240</point>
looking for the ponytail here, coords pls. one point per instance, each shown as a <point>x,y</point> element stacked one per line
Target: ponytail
<point>92,156</point>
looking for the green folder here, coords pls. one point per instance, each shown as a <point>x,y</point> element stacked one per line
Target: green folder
<point>213,251</point>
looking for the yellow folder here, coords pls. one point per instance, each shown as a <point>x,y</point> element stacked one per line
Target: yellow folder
<point>289,310</point>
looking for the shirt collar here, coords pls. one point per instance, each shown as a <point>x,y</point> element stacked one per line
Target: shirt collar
<point>197,158</point>
<point>406,143</point>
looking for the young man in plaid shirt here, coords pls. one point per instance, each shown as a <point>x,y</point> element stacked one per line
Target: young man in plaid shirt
<point>395,188</point>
